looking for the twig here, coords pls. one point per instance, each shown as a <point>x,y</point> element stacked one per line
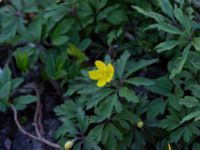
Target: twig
<point>40,120</point>
<point>21,129</point>
<point>37,112</point>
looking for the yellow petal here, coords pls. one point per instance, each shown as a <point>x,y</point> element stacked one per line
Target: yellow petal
<point>101,82</point>
<point>169,147</point>
<point>94,74</point>
<point>100,65</point>
<point>110,69</point>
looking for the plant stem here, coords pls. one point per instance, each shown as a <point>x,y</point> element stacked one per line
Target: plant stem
<point>23,131</point>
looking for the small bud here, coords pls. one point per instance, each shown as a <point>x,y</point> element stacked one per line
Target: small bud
<point>140,124</point>
<point>169,147</point>
<point>68,145</point>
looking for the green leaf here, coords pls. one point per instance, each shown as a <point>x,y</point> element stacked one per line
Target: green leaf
<point>138,65</point>
<point>17,4</point>
<point>169,28</point>
<point>105,109</point>
<point>138,81</point>
<point>187,135</point>
<point>190,116</point>
<point>21,101</point>
<point>101,4</point>
<point>128,94</point>
<point>159,88</point>
<point>16,82</point>
<point>62,28</point>
<point>178,13</point>
<point>111,130</point>
<point>196,146</point>
<point>5,91</point>
<point>140,10</point>
<point>176,135</point>
<point>167,45</point>
<point>60,40</point>
<point>116,103</point>
<point>3,106</point>
<point>117,17</point>
<point>174,102</point>
<point>97,132</point>
<point>189,101</point>
<point>35,28</point>
<point>5,76</point>
<point>196,43</point>
<point>22,59</point>
<point>97,97</point>
<point>83,45</point>
<point>54,66</point>
<point>166,7</point>
<point>180,62</point>
<point>121,63</point>
<point>195,89</point>
<point>155,107</point>
<point>170,123</point>
<point>72,50</point>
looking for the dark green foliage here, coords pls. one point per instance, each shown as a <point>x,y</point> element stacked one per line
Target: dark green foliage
<point>154,49</point>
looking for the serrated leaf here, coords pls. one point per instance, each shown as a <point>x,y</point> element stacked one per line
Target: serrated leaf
<point>139,65</point>
<point>195,89</point>
<point>189,101</point>
<point>73,51</point>
<point>105,109</point>
<point>178,13</point>
<point>187,135</point>
<point>180,62</point>
<point>167,45</point>
<point>116,103</point>
<point>5,91</point>
<point>96,98</point>
<point>21,101</point>
<point>138,81</point>
<point>169,28</point>
<point>5,76</point>
<point>140,10</point>
<point>121,63</point>
<point>16,82</point>
<point>83,45</point>
<point>117,17</point>
<point>170,123</point>
<point>155,107</point>
<point>196,146</point>
<point>196,43</point>
<point>22,59</point>
<point>176,135</point>
<point>159,88</point>
<point>174,102</point>
<point>166,7</point>
<point>97,132</point>
<point>60,40</point>
<point>191,116</point>
<point>128,94</point>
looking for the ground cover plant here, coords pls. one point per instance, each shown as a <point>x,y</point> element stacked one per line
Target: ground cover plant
<point>99,74</point>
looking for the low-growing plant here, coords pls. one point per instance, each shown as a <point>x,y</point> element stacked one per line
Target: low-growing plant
<point>122,75</point>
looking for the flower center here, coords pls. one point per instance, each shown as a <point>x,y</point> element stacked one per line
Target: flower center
<point>106,74</point>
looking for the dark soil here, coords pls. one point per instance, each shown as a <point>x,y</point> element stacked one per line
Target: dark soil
<point>12,139</point>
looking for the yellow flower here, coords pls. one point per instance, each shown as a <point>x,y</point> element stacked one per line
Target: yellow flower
<point>103,74</point>
<point>169,147</point>
<point>140,124</point>
<point>68,145</point>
